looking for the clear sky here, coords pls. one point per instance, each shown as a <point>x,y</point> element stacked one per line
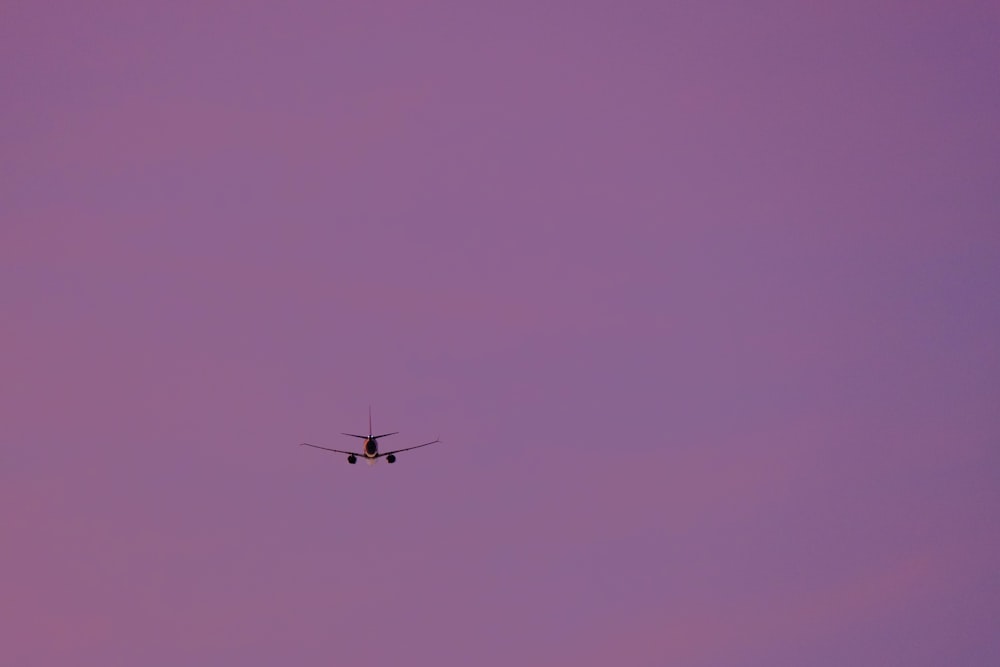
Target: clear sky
<point>702,298</point>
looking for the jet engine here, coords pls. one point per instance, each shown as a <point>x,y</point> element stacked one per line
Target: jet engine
<point>391,458</point>
<point>352,459</point>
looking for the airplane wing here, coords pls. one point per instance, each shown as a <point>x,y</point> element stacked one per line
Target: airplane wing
<point>406,449</point>
<point>339,451</point>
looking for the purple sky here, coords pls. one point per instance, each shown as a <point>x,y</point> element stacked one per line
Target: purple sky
<point>702,298</point>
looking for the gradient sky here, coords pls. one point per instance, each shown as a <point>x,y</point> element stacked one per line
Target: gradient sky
<point>702,298</point>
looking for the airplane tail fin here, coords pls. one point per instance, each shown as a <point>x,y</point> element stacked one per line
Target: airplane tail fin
<point>370,431</point>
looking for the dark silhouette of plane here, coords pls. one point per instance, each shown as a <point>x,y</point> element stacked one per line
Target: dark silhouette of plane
<point>370,450</point>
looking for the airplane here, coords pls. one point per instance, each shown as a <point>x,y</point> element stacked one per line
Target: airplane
<point>370,450</point>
